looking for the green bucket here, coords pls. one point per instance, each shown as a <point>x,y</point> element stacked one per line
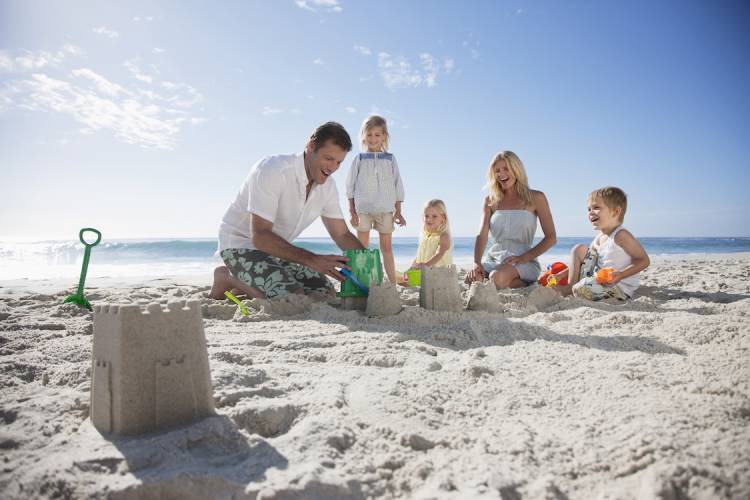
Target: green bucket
<point>366,267</point>
<point>413,277</point>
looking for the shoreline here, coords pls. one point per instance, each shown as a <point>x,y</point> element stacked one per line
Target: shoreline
<point>50,285</point>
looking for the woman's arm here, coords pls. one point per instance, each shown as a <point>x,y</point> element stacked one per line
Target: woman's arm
<point>477,272</point>
<point>541,207</point>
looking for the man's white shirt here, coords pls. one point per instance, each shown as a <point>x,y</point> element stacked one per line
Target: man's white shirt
<point>275,190</point>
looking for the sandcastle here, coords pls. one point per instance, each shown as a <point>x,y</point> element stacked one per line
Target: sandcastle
<point>440,290</point>
<point>483,297</point>
<point>149,368</point>
<point>384,300</point>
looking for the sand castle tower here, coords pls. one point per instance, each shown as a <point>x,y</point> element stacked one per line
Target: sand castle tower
<point>483,297</point>
<point>440,290</point>
<point>149,368</point>
<point>384,300</point>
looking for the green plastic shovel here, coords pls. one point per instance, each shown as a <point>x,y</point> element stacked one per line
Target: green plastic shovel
<point>78,298</point>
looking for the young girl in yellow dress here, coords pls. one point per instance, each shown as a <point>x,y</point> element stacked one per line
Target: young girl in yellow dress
<point>435,245</point>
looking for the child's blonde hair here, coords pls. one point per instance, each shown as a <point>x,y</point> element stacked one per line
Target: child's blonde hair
<point>371,122</point>
<point>613,197</point>
<point>438,205</point>
<point>516,166</point>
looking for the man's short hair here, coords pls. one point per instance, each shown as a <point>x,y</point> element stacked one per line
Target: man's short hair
<point>613,197</point>
<point>332,131</point>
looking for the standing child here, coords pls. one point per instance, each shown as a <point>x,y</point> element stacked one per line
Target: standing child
<point>375,191</point>
<point>613,247</point>
<point>435,245</point>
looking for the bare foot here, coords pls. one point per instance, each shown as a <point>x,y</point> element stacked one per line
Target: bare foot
<point>225,282</point>
<point>221,283</point>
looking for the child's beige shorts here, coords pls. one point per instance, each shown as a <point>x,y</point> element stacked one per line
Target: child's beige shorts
<point>382,222</point>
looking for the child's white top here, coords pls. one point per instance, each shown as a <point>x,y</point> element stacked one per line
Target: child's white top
<point>275,190</point>
<point>613,255</point>
<point>375,183</point>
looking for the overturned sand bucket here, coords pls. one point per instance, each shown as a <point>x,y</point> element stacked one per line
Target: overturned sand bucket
<point>366,269</point>
<point>413,277</point>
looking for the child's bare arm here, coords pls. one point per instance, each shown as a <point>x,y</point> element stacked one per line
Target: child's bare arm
<point>397,217</point>
<point>443,246</point>
<point>632,247</point>
<point>353,213</point>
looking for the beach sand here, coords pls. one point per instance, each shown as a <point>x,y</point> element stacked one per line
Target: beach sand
<point>551,398</point>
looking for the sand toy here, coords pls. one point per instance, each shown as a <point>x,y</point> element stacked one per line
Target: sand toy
<point>355,281</point>
<point>366,269</point>
<point>243,308</point>
<point>413,277</point>
<point>78,298</point>
<point>604,275</point>
<point>552,269</point>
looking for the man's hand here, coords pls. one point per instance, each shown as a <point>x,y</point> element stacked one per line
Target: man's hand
<point>354,220</point>
<point>328,264</point>
<point>399,219</point>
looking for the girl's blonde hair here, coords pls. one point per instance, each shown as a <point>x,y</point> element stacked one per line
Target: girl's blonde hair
<point>438,205</point>
<point>516,166</point>
<point>371,122</point>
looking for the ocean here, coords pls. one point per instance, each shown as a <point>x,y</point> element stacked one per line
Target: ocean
<point>166,257</point>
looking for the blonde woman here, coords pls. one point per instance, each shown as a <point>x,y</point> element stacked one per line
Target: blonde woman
<point>509,215</point>
<point>435,244</point>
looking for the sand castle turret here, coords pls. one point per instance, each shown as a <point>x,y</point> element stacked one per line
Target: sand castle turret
<point>440,290</point>
<point>149,368</point>
<point>483,297</point>
<point>384,300</point>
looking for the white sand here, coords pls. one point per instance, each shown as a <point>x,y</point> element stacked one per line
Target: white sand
<point>551,398</point>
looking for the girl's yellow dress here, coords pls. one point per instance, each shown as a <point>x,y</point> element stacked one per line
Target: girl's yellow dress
<point>428,247</point>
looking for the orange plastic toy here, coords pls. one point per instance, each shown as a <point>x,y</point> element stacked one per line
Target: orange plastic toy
<point>604,275</point>
<point>554,268</point>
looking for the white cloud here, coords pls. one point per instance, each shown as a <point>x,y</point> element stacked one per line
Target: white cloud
<point>268,110</point>
<point>104,31</point>
<point>318,61</point>
<point>136,71</point>
<point>101,84</point>
<point>350,109</point>
<point>474,54</point>
<point>134,115</point>
<point>365,51</point>
<point>319,5</point>
<point>146,19</point>
<point>400,73</point>
<point>36,60</point>
<point>157,50</point>
<point>519,12</point>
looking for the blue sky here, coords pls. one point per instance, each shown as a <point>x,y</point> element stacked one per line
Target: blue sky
<point>143,118</point>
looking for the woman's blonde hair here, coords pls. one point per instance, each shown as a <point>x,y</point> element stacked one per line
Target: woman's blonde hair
<point>516,166</point>
<point>438,205</point>
<point>371,122</point>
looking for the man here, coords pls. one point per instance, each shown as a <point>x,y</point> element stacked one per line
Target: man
<point>281,196</point>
